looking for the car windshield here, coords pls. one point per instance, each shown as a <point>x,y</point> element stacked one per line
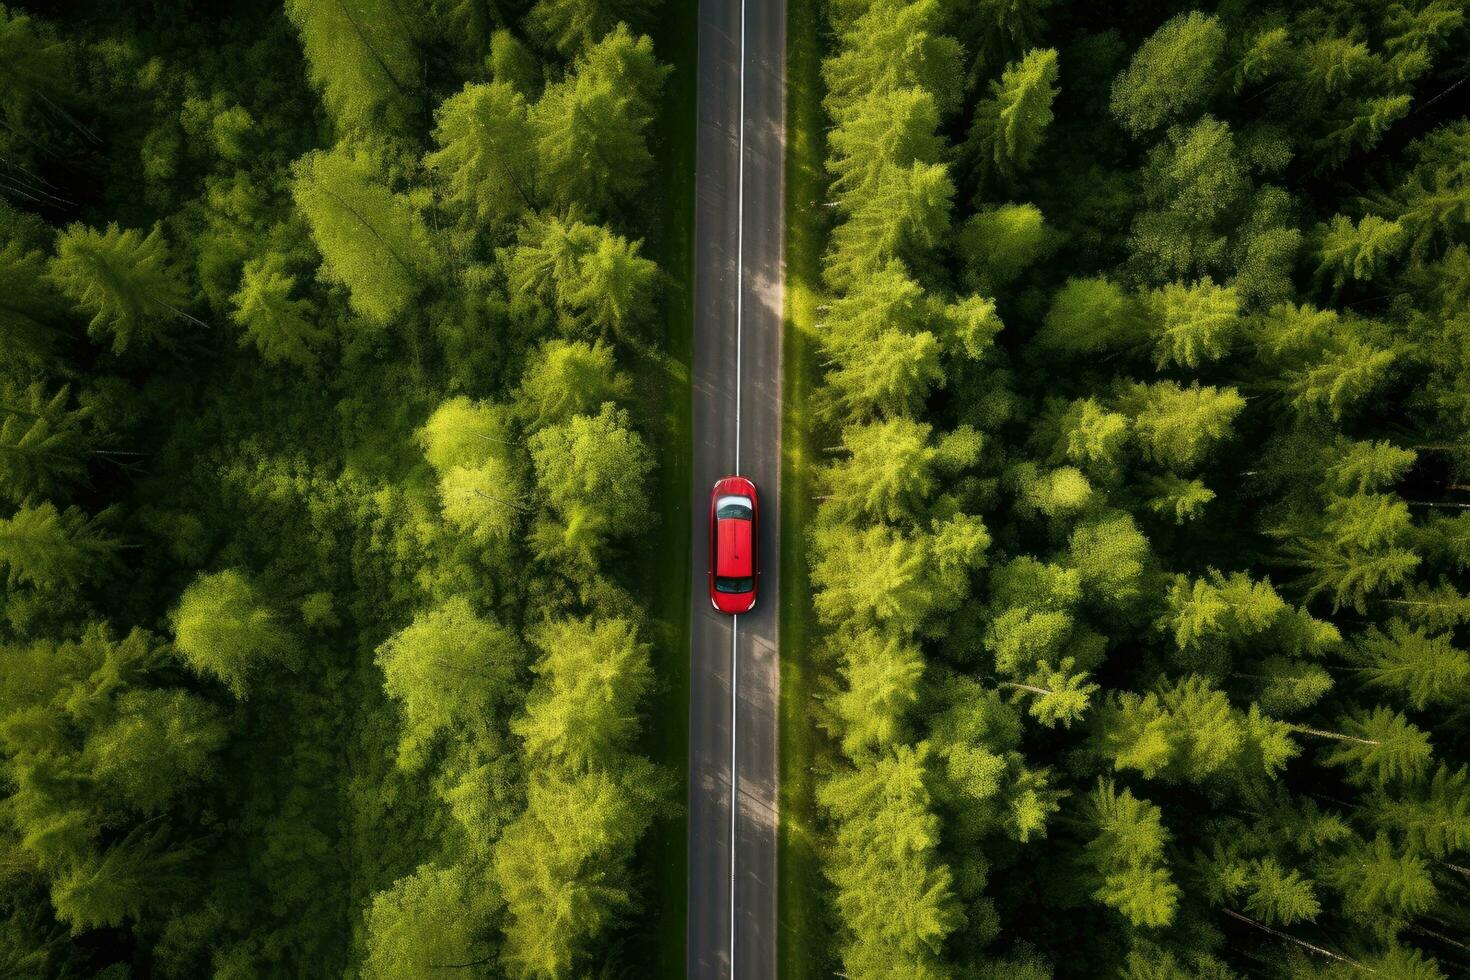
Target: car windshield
<point>726,583</point>
<point>733,507</point>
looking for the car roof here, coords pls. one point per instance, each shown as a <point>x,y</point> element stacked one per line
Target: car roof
<point>733,548</point>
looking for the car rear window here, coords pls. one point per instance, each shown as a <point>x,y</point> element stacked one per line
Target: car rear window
<point>725,583</point>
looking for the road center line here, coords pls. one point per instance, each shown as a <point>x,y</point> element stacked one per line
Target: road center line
<point>735,621</point>
<point>734,772</point>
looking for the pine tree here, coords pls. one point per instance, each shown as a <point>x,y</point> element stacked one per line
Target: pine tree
<point>571,25</point>
<point>371,240</point>
<point>1359,251</point>
<point>893,45</point>
<point>590,128</point>
<point>281,327</point>
<point>907,214</point>
<point>425,923</point>
<point>567,378</point>
<point>583,710</point>
<point>890,469</point>
<point>1057,695</point>
<point>41,442</point>
<point>157,745</point>
<point>224,629</point>
<point>1088,316</point>
<point>1381,746</point>
<point>1433,816</point>
<point>1194,324</point>
<point>591,471</point>
<point>885,128</point>
<point>1175,425</point>
<point>362,55</point>
<point>1424,669</point>
<point>882,674</point>
<point>485,154</point>
<point>138,873</point>
<point>1126,855</point>
<point>998,244</point>
<point>50,548</point>
<point>124,280</point>
<point>29,310</point>
<point>1011,125</point>
<point>894,896</point>
<point>450,670</point>
<point>1171,73</point>
<point>1382,889</point>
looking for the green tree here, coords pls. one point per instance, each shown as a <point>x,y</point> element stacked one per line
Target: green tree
<point>591,471</point>
<point>1423,669</point>
<point>567,378</point>
<point>999,244</point>
<point>894,894</point>
<point>891,468</point>
<point>882,674</point>
<point>1177,426</point>
<point>1126,856</point>
<point>583,710</point>
<point>599,281</point>
<point>1193,324</point>
<point>450,670</point>
<point>426,924</point>
<point>372,241</point>
<point>281,327</point>
<point>224,629</point>
<point>50,548</point>
<point>1088,316</point>
<point>486,152</point>
<point>362,55</point>
<point>591,127</point>
<point>571,25</point>
<point>41,441</point>
<point>124,280</point>
<point>1171,73</point>
<point>1381,746</point>
<point>30,309</point>
<point>1011,125</point>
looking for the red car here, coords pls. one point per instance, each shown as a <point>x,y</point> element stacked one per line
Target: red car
<point>734,554</point>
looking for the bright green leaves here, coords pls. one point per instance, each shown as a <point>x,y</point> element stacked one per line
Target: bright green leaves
<point>124,280</point>
<point>50,548</point>
<point>1358,251</point>
<point>426,920</point>
<point>563,864</point>
<point>486,154</point>
<point>372,241</point>
<point>1088,316</point>
<point>591,678</point>
<point>362,55</point>
<point>481,486</point>
<point>1194,324</point>
<point>1177,426</point>
<point>1422,669</point>
<point>591,127</point>
<point>1378,746</point>
<point>567,378</point>
<point>1010,125</point>
<point>224,629</point>
<point>893,893</point>
<point>1126,854</point>
<point>591,471</point>
<point>1171,72</point>
<point>1188,732</point>
<point>571,25</point>
<point>282,326</point>
<point>890,468</point>
<point>450,670</point>
<point>598,281</point>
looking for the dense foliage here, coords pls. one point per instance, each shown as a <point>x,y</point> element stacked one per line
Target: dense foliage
<point>322,446</point>
<point>1143,527</point>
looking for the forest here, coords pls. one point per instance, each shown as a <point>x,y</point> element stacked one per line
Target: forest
<point>1144,511</point>
<point>334,396</point>
<point>326,428</point>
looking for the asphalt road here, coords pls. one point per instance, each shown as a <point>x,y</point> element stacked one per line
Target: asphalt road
<point>737,369</point>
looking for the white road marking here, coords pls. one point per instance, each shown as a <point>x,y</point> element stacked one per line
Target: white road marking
<point>734,772</point>
<point>735,621</point>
